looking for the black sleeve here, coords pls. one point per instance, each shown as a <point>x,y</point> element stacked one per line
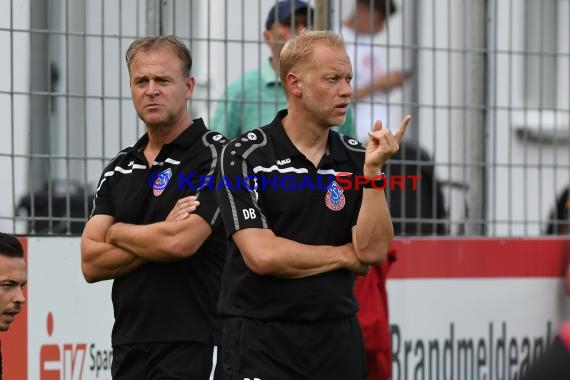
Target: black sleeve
<point>209,209</point>
<point>102,203</point>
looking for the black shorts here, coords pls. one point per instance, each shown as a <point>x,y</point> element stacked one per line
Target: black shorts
<point>330,350</point>
<point>162,361</point>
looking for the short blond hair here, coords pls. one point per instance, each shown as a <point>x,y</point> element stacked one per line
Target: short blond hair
<point>300,49</point>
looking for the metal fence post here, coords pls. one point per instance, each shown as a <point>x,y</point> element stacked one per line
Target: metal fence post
<point>475,108</point>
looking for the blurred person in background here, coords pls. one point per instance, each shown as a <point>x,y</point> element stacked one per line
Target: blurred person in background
<point>372,80</point>
<point>13,278</point>
<point>253,99</point>
<point>559,220</point>
<point>559,224</point>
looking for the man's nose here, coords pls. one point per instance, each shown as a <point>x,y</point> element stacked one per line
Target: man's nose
<point>151,89</point>
<point>19,297</point>
<point>346,89</point>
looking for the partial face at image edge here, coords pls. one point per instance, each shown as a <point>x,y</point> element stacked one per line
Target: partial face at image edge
<point>13,279</point>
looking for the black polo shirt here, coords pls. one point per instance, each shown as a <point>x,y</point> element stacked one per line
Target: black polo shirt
<point>297,201</point>
<point>165,302</point>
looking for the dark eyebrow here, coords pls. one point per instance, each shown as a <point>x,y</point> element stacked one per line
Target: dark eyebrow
<point>157,78</point>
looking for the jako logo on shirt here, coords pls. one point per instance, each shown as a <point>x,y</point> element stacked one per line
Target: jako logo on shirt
<point>334,199</point>
<point>161,181</point>
<point>284,161</point>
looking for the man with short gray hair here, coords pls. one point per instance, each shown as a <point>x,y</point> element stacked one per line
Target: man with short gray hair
<point>155,231</point>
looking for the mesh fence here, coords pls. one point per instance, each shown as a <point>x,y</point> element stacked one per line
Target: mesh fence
<point>487,84</point>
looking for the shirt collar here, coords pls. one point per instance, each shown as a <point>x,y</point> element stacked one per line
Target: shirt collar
<point>269,76</point>
<point>335,148</point>
<point>184,140</point>
<point>191,134</point>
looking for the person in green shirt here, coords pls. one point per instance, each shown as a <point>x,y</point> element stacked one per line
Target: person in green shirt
<point>253,99</point>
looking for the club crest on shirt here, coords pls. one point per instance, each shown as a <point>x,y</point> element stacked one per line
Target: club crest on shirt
<point>334,199</point>
<point>161,182</point>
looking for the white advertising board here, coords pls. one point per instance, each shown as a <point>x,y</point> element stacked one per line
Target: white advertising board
<point>69,320</point>
<point>459,309</point>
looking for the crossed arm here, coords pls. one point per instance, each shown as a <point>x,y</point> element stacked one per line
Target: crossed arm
<point>267,254</point>
<point>111,250</point>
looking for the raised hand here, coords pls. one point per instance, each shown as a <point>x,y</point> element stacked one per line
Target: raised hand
<point>383,145</point>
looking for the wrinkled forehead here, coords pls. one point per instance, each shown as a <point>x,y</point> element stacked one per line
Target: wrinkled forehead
<point>328,56</point>
<point>159,54</point>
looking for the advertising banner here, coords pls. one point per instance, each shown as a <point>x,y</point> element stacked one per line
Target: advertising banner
<point>459,309</point>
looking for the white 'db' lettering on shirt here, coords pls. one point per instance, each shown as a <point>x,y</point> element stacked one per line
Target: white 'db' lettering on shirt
<point>248,213</point>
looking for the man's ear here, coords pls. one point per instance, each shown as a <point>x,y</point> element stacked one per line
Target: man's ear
<point>294,84</point>
<point>190,84</point>
<point>268,36</point>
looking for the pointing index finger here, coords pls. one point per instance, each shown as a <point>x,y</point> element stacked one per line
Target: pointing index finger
<point>400,132</point>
